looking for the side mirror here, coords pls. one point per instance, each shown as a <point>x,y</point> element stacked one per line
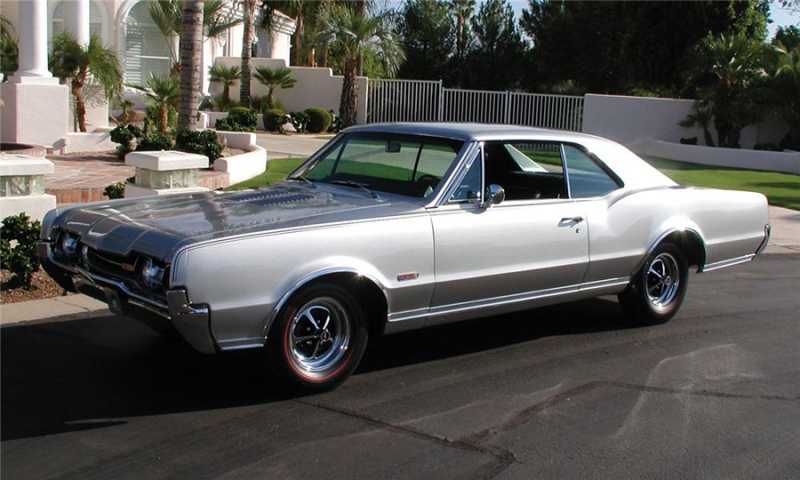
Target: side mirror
<point>494,195</point>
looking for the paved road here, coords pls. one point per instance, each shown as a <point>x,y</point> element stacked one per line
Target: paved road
<point>565,391</point>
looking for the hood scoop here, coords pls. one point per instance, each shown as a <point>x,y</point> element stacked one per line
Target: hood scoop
<point>268,198</point>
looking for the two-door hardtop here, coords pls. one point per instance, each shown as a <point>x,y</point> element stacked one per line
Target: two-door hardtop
<point>395,227</point>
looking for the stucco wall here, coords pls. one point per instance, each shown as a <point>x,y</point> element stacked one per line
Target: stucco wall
<point>315,87</point>
<point>631,119</point>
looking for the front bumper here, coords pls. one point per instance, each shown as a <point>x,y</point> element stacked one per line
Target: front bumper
<point>191,321</point>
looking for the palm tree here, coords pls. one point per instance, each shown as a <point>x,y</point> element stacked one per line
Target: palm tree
<point>700,117</point>
<point>227,76</point>
<point>274,79</point>
<point>356,33</point>
<point>786,83</point>
<point>734,65</point>
<point>9,47</point>
<point>191,63</point>
<point>248,16</point>
<point>163,94</point>
<point>73,63</point>
<point>168,17</point>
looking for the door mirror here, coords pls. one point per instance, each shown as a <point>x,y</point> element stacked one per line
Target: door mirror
<point>494,195</point>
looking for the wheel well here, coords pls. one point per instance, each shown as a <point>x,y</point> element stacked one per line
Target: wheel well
<point>691,244</point>
<point>368,295</point>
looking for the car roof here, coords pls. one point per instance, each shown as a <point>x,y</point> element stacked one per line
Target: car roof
<point>474,131</point>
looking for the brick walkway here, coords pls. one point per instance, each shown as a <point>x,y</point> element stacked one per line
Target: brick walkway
<point>84,179</point>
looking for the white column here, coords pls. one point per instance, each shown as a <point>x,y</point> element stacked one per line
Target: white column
<point>33,44</point>
<point>77,19</point>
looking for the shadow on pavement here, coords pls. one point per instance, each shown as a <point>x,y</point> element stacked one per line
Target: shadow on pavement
<point>86,374</point>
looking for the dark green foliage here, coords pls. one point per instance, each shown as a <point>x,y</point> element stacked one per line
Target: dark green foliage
<point>126,136</point>
<point>336,123</point>
<point>117,190</point>
<point>274,120</point>
<point>18,237</point>
<point>637,44</point>
<point>428,31</point>
<point>299,121</point>
<point>318,119</point>
<point>154,141</point>
<point>493,64</point>
<point>689,141</point>
<point>203,142</point>
<point>769,147</point>
<point>239,119</point>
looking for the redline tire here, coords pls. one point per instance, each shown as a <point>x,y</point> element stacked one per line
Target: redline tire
<point>317,340</point>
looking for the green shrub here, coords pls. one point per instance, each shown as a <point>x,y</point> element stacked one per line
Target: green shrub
<point>18,237</point>
<point>299,121</point>
<point>203,142</point>
<point>126,136</point>
<point>274,119</point>
<point>239,119</point>
<point>318,119</point>
<point>154,141</point>
<point>117,190</point>
<point>336,123</point>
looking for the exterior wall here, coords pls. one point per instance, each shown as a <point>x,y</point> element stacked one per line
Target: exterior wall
<point>315,87</point>
<point>787,162</point>
<point>37,114</point>
<point>631,119</point>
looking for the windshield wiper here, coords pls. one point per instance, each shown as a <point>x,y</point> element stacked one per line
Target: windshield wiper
<point>350,183</point>
<point>300,178</point>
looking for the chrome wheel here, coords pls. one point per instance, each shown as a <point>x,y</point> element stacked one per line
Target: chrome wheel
<point>318,337</point>
<point>657,290</point>
<point>663,281</point>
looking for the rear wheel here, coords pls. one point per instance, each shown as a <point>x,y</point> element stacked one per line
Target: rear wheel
<point>656,292</point>
<point>317,340</point>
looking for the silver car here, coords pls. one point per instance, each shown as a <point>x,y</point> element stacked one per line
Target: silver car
<point>395,227</point>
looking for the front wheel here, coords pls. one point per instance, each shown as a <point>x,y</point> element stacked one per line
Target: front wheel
<point>656,292</point>
<point>317,340</point>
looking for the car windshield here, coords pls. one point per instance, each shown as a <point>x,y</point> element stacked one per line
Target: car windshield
<point>400,164</point>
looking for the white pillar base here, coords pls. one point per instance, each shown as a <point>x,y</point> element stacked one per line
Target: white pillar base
<point>135,191</point>
<point>34,112</point>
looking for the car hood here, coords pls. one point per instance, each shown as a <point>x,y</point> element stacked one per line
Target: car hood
<point>159,226</point>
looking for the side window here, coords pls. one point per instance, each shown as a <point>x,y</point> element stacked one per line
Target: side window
<point>527,170</point>
<point>586,178</point>
<point>469,190</point>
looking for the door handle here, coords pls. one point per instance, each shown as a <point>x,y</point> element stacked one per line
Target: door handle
<point>570,221</point>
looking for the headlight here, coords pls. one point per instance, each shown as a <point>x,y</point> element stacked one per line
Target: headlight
<point>150,274</point>
<point>68,244</point>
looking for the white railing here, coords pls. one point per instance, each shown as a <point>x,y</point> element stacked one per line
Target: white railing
<point>403,101</point>
<point>428,101</point>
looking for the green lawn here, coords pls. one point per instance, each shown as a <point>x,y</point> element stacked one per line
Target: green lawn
<point>277,171</point>
<point>782,189</point>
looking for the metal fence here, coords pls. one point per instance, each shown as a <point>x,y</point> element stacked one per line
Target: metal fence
<point>428,101</point>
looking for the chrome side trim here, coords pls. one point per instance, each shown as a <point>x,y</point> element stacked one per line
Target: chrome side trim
<point>767,234</point>
<point>311,277</point>
<point>728,263</point>
<point>661,238</point>
<point>241,343</point>
<point>507,300</point>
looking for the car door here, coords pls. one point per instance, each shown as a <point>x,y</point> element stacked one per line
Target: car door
<point>488,257</point>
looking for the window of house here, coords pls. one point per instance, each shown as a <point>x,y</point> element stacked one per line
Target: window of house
<point>95,20</point>
<point>147,51</point>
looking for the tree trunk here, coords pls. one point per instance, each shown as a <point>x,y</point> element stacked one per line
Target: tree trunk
<point>361,10</point>
<point>80,105</point>
<point>348,105</point>
<point>249,7</point>
<point>191,62</point>
<point>298,37</point>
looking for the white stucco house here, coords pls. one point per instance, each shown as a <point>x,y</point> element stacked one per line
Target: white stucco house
<point>36,108</point>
